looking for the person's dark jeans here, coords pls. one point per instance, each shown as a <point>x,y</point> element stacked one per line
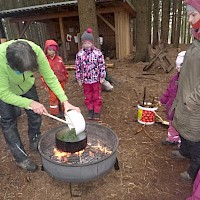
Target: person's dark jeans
<point>191,150</point>
<point>9,114</point>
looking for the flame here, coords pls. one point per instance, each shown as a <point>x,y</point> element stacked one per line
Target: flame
<point>102,149</point>
<point>63,156</point>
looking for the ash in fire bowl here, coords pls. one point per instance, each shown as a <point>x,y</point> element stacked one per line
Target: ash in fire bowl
<point>100,145</point>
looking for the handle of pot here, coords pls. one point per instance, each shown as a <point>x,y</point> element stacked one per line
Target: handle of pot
<point>52,116</point>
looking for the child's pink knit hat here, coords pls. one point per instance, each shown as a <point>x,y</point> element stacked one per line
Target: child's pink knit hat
<point>179,59</point>
<point>194,3</point>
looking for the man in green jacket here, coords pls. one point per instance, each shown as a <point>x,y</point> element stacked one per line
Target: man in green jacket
<point>19,60</point>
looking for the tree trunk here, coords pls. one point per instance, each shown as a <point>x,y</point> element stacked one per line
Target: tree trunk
<point>165,22</point>
<point>178,24</point>
<point>173,29</point>
<point>155,22</point>
<point>88,18</point>
<point>142,38</point>
<point>149,19</point>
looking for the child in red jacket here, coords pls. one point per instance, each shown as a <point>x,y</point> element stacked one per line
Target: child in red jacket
<point>57,65</point>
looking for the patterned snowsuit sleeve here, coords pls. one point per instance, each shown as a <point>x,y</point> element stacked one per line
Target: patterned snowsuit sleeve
<point>102,68</point>
<point>78,71</point>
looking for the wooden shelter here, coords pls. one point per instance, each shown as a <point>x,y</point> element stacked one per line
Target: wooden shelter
<point>60,22</point>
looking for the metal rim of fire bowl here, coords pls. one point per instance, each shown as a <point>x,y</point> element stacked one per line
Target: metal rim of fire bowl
<point>76,164</point>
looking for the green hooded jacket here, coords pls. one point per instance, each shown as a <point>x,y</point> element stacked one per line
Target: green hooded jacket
<point>13,85</point>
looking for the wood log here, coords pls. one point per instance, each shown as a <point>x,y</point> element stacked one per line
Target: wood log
<point>72,67</point>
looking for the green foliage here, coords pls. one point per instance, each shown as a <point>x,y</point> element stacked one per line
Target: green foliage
<point>69,136</point>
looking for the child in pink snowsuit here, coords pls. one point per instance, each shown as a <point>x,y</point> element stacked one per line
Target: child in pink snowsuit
<point>168,98</point>
<point>90,73</point>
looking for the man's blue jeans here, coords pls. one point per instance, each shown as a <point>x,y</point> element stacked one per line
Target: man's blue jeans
<point>9,114</point>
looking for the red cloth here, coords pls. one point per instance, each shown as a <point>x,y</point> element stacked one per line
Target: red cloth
<point>92,93</point>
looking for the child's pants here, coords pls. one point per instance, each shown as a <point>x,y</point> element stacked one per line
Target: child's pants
<point>196,188</point>
<point>54,101</point>
<point>92,94</point>
<point>173,135</point>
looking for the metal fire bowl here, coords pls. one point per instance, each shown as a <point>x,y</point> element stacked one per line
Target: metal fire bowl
<point>76,173</point>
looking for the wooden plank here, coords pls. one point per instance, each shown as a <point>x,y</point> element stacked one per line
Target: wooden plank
<point>24,28</point>
<point>62,33</point>
<point>61,14</point>
<point>72,67</point>
<point>106,22</point>
<point>116,17</point>
<point>16,26</point>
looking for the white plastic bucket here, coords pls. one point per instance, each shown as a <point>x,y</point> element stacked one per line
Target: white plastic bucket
<point>75,120</point>
<point>146,115</point>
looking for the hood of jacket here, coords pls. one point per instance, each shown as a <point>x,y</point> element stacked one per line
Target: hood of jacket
<point>50,43</point>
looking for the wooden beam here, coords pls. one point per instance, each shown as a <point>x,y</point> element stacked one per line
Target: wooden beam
<point>61,14</point>
<point>26,25</point>
<point>122,34</point>
<point>106,22</point>
<point>16,26</point>
<point>116,17</point>
<point>62,33</point>
<point>72,67</point>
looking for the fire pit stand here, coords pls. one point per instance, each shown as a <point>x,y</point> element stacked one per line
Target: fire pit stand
<point>81,171</point>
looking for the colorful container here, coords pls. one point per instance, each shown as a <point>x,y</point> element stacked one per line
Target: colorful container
<point>146,115</point>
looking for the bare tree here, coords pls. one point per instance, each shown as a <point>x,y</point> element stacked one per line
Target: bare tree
<point>155,22</point>
<point>178,24</point>
<point>173,28</point>
<point>88,17</point>
<point>165,22</point>
<point>142,37</point>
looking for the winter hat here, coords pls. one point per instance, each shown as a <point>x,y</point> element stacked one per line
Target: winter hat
<point>193,5</point>
<point>179,59</point>
<point>51,44</point>
<point>87,35</point>
<point>54,47</point>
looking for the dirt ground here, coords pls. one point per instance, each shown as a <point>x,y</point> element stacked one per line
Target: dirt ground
<point>146,170</point>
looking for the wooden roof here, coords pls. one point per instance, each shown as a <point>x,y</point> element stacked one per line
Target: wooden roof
<point>58,8</point>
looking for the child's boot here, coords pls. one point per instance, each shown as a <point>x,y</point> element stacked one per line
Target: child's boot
<point>177,155</point>
<point>96,116</point>
<point>186,177</point>
<point>167,142</point>
<point>90,114</point>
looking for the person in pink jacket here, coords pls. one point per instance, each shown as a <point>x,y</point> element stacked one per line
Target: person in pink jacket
<point>90,73</point>
<point>168,98</point>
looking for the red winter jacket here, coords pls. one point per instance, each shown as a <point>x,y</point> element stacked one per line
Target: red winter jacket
<point>56,63</point>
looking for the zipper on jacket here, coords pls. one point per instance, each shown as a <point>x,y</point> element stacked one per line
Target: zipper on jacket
<point>23,77</point>
<point>20,88</point>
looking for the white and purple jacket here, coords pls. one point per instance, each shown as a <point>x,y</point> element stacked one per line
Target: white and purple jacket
<point>90,66</point>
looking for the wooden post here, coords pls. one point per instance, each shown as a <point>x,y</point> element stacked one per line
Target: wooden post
<point>62,33</point>
<point>122,34</point>
<point>16,25</point>
<point>116,16</point>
